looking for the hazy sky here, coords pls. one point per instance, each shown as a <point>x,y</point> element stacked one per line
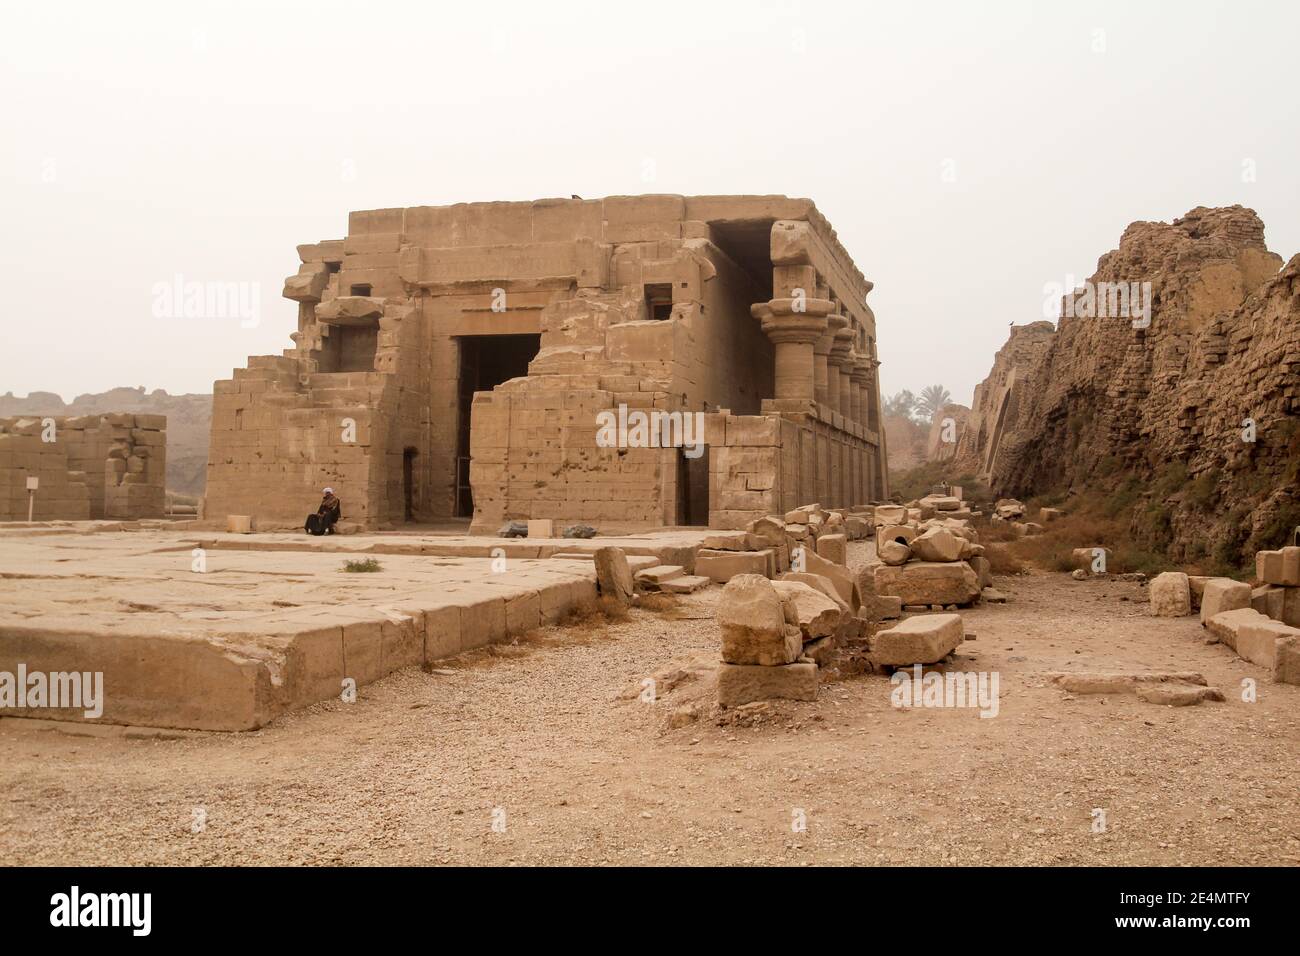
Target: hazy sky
<point>968,154</point>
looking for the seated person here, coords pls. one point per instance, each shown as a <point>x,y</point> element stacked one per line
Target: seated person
<point>326,516</point>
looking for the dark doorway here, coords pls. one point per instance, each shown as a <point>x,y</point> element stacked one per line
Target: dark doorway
<point>408,482</point>
<point>693,488</point>
<point>485,362</point>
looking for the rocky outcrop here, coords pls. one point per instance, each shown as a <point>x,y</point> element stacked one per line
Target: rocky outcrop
<point>1186,401</point>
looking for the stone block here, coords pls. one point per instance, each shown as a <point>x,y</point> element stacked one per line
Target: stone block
<point>928,582</point>
<point>541,528</point>
<point>937,544</point>
<point>239,524</point>
<point>1269,600</point>
<point>1171,596</point>
<point>834,547</point>
<point>613,576</point>
<point>816,614</point>
<point>1258,640</point>
<point>926,639</point>
<point>722,566</point>
<point>752,620</point>
<point>1223,594</point>
<point>1226,625</point>
<point>744,683</point>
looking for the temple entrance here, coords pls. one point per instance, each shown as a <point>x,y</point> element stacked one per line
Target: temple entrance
<point>485,362</point>
<point>693,488</point>
<point>408,482</point>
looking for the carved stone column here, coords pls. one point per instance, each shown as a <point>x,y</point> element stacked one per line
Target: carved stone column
<point>842,360</point>
<point>794,325</point>
<point>828,378</point>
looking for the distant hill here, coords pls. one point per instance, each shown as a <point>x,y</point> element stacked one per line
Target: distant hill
<point>189,423</point>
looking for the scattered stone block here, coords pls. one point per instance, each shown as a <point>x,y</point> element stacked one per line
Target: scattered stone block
<point>834,547</point>
<point>239,524</point>
<point>837,574</point>
<point>541,528</point>
<point>928,582</point>
<point>983,570</point>
<point>1258,640</point>
<point>918,640</point>
<point>656,577</point>
<point>992,596</point>
<point>686,584</point>
<point>1171,596</point>
<point>820,583</point>
<point>882,607</point>
<point>722,566</point>
<point>743,683</point>
<point>1048,515</point>
<point>1176,695</point>
<point>752,619</point>
<point>893,553</point>
<point>1223,594</point>
<point>937,544</point>
<point>1226,625</point>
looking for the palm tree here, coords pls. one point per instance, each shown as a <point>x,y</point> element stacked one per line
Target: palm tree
<point>902,405</point>
<point>933,399</point>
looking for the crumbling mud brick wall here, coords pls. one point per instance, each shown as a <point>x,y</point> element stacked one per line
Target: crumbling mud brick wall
<point>88,466</point>
<point>1197,405</point>
<point>455,361</point>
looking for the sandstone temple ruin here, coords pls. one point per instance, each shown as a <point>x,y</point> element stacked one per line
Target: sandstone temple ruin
<point>455,361</point>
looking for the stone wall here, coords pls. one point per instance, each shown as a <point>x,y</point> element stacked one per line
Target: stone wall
<point>89,467</point>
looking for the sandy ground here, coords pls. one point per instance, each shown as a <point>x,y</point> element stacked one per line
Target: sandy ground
<point>543,753</point>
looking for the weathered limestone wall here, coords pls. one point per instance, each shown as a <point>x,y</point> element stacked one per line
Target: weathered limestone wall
<point>88,466</point>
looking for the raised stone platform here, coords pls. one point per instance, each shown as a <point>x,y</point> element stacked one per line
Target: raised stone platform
<point>261,630</point>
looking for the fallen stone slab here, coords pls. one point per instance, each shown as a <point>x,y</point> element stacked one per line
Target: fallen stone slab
<point>742,683</point>
<point>1122,683</point>
<point>1171,595</point>
<point>654,578</point>
<point>1177,695</point>
<point>844,582</point>
<point>752,619</point>
<point>927,639</point>
<point>992,596</point>
<point>722,566</point>
<point>881,607</point>
<point>928,582</point>
<point>686,584</point>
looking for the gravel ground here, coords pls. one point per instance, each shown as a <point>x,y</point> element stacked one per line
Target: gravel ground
<point>544,753</point>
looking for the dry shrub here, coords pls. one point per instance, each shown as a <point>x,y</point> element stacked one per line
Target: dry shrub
<point>657,601</point>
<point>1002,561</point>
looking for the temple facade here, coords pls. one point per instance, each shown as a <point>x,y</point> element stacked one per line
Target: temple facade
<point>627,363</point>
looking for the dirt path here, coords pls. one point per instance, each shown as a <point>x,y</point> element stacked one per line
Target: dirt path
<point>543,739</point>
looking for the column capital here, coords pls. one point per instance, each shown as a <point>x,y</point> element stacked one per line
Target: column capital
<point>862,369</point>
<point>793,320</point>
